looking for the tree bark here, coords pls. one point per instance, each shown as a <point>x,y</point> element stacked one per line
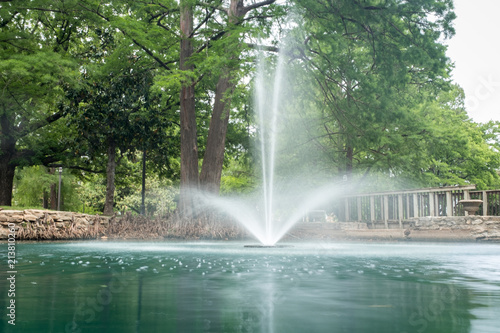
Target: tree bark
<point>7,154</point>
<point>213,159</point>
<point>211,170</point>
<point>189,146</point>
<point>53,196</point>
<point>143,187</point>
<point>53,192</point>
<point>110,178</point>
<point>7,171</point>
<point>349,160</point>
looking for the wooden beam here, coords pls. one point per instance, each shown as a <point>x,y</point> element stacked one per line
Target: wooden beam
<point>358,202</point>
<point>386,211</point>
<point>449,204</point>
<point>485,203</point>
<point>372,208</point>
<point>432,211</point>
<point>400,210</point>
<point>422,190</point>
<point>347,217</point>
<point>415,205</point>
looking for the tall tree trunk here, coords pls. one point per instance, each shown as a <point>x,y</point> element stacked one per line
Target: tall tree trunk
<point>189,146</point>
<point>349,159</point>
<point>214,155</point>
<point>110,178</point>
<point>53,197</point>
<point>7,171</point>
<point>143,187</point>
<point>45,201</point>
<point>53,192</point>
<point>7,168</point>
<point>213,160</point>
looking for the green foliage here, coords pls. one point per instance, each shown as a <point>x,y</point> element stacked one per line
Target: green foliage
<point>160,198</point>
<point>30,185</point>
<point>92,193</point>
<point>237,178</point>
<point>160,191</point>
<point>33,183</point>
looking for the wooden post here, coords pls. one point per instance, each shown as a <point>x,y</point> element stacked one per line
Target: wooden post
<point>485,203</point>
<point>386,211</point>
<point>466,195</point>
<point>400,210</point>
<point>431,204</point>
<point>415,205</point>
<point>372,209</point>
<point>449,204</point>
<point>358,202</point>
<point>347,218</point>
<point>408,206</point>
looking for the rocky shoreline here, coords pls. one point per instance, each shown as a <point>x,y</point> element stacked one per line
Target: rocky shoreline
<point>455,228</point>
<point>34,224</point>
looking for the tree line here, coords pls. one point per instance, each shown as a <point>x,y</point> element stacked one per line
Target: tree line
<point>96,85</point>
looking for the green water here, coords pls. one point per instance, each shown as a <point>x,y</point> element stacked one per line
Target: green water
<point>224,287</point>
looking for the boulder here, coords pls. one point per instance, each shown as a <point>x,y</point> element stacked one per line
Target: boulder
<point>4,233</point>
<point>29,218</point>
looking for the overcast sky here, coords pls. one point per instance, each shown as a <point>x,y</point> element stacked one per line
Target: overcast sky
<point>475,50</point>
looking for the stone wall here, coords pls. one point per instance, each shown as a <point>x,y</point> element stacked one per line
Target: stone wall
<point>455,229</point>
<point>50,222</point>
<point>480,227</point>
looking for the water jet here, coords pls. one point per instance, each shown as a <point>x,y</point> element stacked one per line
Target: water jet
<point>280,201</point>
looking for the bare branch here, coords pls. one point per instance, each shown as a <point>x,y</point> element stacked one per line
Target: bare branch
<point>35,126</point>
<point>75,167</point>
<point>148,51</point>
<point>263,47</point>
<point>207,17</point>
<point>257,5</point>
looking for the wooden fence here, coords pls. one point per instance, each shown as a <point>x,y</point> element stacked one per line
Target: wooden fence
<point>397,206</point>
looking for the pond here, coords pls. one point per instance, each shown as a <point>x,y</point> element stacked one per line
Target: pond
<point>225,287</point>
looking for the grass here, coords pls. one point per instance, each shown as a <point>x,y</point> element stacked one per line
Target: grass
<point>88,212</point>
<point>20,207</point>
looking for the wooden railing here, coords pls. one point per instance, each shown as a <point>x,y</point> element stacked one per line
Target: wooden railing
<point>397,206</point>
<point>491,202</point>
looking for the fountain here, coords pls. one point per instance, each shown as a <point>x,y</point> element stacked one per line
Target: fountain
<point>154,286</point>
<point>278,205</point>
<point>175,286</point>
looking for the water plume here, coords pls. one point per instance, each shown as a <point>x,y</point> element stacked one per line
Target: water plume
<point>280,202</point>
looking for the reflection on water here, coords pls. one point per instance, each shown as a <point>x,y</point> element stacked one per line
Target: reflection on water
<point>223,287</point>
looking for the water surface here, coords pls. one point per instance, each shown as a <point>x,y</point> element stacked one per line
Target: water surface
<point>224,287</point>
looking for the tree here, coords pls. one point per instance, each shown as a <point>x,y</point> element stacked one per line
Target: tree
<point>455,149</point>
<point>372,61</point>
<point>114,114</point>
<point>211,171</point>
<point>189,146</point>
<point>34,66</point>
<point>204,49</point>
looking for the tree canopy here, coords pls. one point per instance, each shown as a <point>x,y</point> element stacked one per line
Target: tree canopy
<point>95,85</point>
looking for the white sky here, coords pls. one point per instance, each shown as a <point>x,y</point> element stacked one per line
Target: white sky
<point>475,50</point>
